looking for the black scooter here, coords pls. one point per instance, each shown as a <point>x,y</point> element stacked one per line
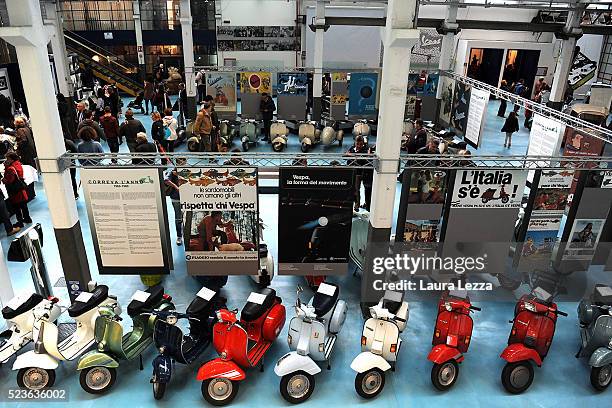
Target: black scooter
<point>173,345</point>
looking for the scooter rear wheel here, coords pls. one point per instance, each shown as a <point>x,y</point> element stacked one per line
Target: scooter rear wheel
<point>297,387</point>
<point>97,380</point>
<point>219,391</point>
<point>159,389</point>
<point>443,376</point>
<point>517,377</point>
<point>193,146</point>
<point>245,146</point>
<point>34,378</point>
<point>601,377</point>
<point>370,383</point>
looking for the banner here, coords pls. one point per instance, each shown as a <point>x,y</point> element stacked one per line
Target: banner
<point>127,219</point>
<point>220,220</point>
<point>362,93</point>
<point>314,222</point>
<point>461,105</point>
<point>292,83</point>
<point>479,99</point>
<point>545,137</point>
<point>488,188</point>
<point>255,82</point>
<point>338,95</point>
<point>540,241</point>
<point>447,100</point>
<point>222,86</point>
<point>552,193</point>
<point>583,239</point>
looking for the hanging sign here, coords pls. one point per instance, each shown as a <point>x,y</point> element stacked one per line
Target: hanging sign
<point>545,137</point>
<point>479,99</point>
<point>488,188</point>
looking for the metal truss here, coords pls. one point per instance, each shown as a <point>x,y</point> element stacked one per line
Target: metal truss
<point>497,162</point>
<point>557,5</point>
<point>543,110</point>
<point>274,69</point>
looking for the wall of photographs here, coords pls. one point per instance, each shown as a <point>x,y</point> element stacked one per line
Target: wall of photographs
<point>258,38</point>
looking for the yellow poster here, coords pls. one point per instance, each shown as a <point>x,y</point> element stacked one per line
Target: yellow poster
<point>339,76</point>
<point>255,82</point>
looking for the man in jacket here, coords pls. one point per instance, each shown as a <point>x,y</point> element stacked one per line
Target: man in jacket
<point>111,130</point>
<point>203,127</point>
<point>267,108</point>
<point>13,172</point>
<point>130,129</point>
<point>88,121</point>
<point>144,146</point>
<point>419,139</point>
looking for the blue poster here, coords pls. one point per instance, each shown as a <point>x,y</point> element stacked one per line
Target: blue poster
<point>431,85</point>
<point>362,93</point>
<point>292,83</point>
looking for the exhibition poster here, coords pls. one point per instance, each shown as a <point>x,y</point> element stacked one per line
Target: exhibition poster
<point>583,239</point>
<point>539,243</point>
<point>606,181</point>
<point>127,220</point>
<point>427,186</point>
<point>410,110</point>
<point>222,86</point>
<point>362,93</point>
<point>220,220</point>
<point>422,235</point>
<point>338,95</point>
<point>431,85</point>
<point>414,86</point>
<point>292,83</point>
<point>581,144</point>
<point>447,100</point>
<point>553,190</point>
<point>545,138</point>
<point>488,188</point>
<point>255,82</point>
<point>479,99</point>
<point>314,220</point>
<point>461,105</point>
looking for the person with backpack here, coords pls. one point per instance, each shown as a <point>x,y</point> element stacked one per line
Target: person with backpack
<point>16,188</point>
<point>88,121</point>
<point>170,129</point>
<point>158,134</point>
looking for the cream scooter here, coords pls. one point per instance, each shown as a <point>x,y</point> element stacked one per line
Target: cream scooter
<point>37,367</point>
<point>18,313</point>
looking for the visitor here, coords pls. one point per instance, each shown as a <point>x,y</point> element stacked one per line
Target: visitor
<point>170,129</point>
<point>90,122</point>
<point>539,86</point>
<point>66,119</point>
<point>203,127</point>
<point>501,112</point>
<point>5,217</point>
<point>80,110</point>
<point>200,80</point>
<point>432,147</point>
<point>16,188</point>
<point>100,103</point>
<point>144,146</point>
<point>182,105</point>
<point>161,99</point>
<point>510,126</point>
<point>88,145</point>
<point>130,128</point>
<point>362,174</point>
<point>111,130</point>
<point>173,181</point>
<point>71,147</point>
<point>267,108</point>
<point>113,101</point>
<point>419,139</point>
<point>6,111</point>
<point>26,153</point>
<point>149,93</point>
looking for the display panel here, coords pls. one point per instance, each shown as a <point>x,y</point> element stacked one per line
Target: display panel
<point>292,95</point>
<point>479,100</point>
<point>488,188</point>
<point>460,108</point>
<point>362,94</point>
<point>339,95</point>
<point>545,137</point>
<point>222,87</point>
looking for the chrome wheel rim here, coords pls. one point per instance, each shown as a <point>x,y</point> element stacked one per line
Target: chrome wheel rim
<point>98,378</point>
<point>371,382</point>
<point>220,389</point>
<point>447,374</point>
<point>298,386</point>
<point>519,377</point>
<point>605,375</point>
<point>36,378</point>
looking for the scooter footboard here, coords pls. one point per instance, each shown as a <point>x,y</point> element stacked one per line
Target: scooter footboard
<point>218,368</point>
<point>367,360</point>
<point>292,362</point>
<point>97,359</point>
<point>33,359</point>
<point>162,369</point>
<point>601,357</point>
<point>442,353</point>
<point>519,352</point>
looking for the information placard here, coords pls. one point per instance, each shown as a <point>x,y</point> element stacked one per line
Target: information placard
<point>545,138</point>
<point>479,99</point>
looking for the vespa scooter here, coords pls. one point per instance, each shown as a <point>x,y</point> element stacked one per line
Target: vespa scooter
<point>380,343</point>
<point>99,367</point>
<point>20,318</point>
<point>37,367</point>
<point>173,345</point>
<point>595,316</point>
<point>241,344</point>
<point>489,195</point>
<point>451,338</point>
<point>533,329</point>
<point>312,336</point>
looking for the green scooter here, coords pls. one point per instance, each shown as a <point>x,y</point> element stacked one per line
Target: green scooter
<point>99,367</point>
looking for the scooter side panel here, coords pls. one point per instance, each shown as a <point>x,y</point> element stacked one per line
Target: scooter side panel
<point>366,361</point>
<point>519,352</point>
<point>96,359</point>
<point>14,342</point>
<point>33,359</point>
<point>218,368</point>
<point>601,357</point>
<point>292,362</point>
<point>295,328</point>
<point>442,353</point>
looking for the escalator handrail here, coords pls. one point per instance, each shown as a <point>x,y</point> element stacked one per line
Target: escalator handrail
<point>126,81</point>
<point>77,39</point>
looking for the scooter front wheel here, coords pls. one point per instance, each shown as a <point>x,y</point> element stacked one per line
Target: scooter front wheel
<point>159,389</point>
<point>443,376</point>
<point>517,377</point>
<point>370,383</point>
<point>97,380</point>
<point>34,378</point>
<point>297,387</point>
<point>219,391</point>
<point>601,377</point>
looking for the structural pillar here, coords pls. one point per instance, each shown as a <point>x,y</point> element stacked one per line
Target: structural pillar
<point>448,29</point>
<point>399,36</point>
<point>58,47</point>
<point>6,288</point>
<point>317,80</point>
<point>142,66</point>
<point>30,38</point>
<point>301,7</point>
<point>188,58</point>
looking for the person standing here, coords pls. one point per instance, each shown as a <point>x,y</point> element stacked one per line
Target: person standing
<point>100,103</point>
<point>6,111</point>
<point>174,183</point>
<point>111,130</point>
<point>201,85</point>
<point>510,126</point>
<point>182,105</point>
<point>162,101</point>
<point>80,111</point>
<point>149,92</point>
<point>203,127</point>
<point>5,217</point>
<point>113,101</point>
<point>66,119</point>
<point>267,108</point>
<point>419,139</point>
<point>144,146</point>
<point>16,188</point>
<point>88,145</point>
<point>216,123</point>
<point>501,112</point>
<point>361,174</point>
<point>88,121</point>
<point>130,129</point>
<point>170,128</point>
<point>539,86</point>
<point>71,147</point>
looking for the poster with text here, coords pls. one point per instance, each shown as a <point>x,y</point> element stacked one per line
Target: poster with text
<point>488,188</point>
<point>461,106</point>
<point>292,83</point>
<point>553,191</point>
<point>255,82</point>
<point>127,220</point>
<point>581,144</point>
<point>446,108</point>
<point>540,241</point>
<point>479,99</point>
<point>545,137</point>
<point>220,220</point>
<point>427,186</point>
<point>583,239</point>
<point>362,93</point>
<point>222,86</point>
<point>314,220</point>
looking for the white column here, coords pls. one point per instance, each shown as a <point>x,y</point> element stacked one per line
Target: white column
<point>188,57</point>
<point>301,5</point>
<point>447,52</point>
<point>139,44</point>
<point>58,47</point>
<point>6,288</point>
<point>317,79</point>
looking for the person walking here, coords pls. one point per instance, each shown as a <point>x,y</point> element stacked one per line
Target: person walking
<point>90,122</point>
<point>173,182</point>
<point>510,126</point>
<point>170,129</point>
<point>203,127</point>
<point>267,108</point>
<point>111,130</point>
<point>149,93</point>
<point>16,188</point>
<point>144,146</point>
<point>162,100</point>
<point>88,145</point>
<point>130,129</point>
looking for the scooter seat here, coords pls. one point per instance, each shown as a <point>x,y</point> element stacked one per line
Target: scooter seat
<point>136,307</point>
<point>199,307</point>
<point>602,295</point>
<point>392,301</point>
<point>322,302</point>
<point>100,293</point>
<point>252,311</point>
<point>28,304</point>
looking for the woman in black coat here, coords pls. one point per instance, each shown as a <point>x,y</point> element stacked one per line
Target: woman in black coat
<point>510,126</point>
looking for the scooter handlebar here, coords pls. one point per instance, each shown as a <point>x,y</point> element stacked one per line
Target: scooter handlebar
<point>475,308</point>
<point>560,313</point>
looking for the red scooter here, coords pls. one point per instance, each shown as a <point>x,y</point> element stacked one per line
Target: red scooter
<point>241,344</point>
<point>533,329</point>
<point>489,195</point>
<point>451,337</point>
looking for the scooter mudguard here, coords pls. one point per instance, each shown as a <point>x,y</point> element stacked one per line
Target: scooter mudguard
<point>220,368</point>
<point>33,359</point>
<point>519,352</point>
<point>442,353</point>
<point>366,361</point>
<point>292,362</point>
<point>601,357</point>
<point>96,359</point>
<point>162,368</point>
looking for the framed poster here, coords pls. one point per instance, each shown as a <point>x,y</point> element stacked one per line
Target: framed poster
<point>545,137</point>
<point>363,88</point>
<point>338,95</point>
<point>488,188</point>
<point>446,108</point>
<point>255,82</point>
<point>479,100</point>
<point>222,86</point>
<point>461,106</point>
<point>553,191</point>
<point>540,240</point>
<point>292,95</point>
<point>427,186</point>
<point>292,83</point>
<point>583,239</point>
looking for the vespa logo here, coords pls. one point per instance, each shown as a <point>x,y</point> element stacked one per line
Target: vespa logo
<point>428,41</point>
<point>291,86</point>
<point>213,80</point>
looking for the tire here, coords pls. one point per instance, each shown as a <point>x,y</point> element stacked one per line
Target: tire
<point>601,377</point>
<point>444,376</point>
<point>505,199</point>
<point>193,146</point>
<point>297,387</point>
<point>245,146</point>
<point>517,377</point>
<point>46,378</point>
<point>159,389</point>
<point>224,396</point>
<point>277,147</point>
<point>97,380</point>
<point>370,383</point>
<point>304,148</point>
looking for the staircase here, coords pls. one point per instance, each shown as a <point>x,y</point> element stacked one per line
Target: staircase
<point>104,65</point>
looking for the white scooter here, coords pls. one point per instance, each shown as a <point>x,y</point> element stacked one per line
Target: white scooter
<point>279,134</point>
<point>308,135</point>
<point>20,318</point>
<point>37,367</point>
<point>249,132</point>
<point>312,335</point>
<point>361,128</point>
<point>380,344</point>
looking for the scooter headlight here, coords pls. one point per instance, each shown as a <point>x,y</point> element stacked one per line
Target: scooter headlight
<point>171,320</point>
<point>529,306</point>
<point>448,307</point>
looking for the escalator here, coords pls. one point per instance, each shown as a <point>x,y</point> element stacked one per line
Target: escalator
<point>105,66</point>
